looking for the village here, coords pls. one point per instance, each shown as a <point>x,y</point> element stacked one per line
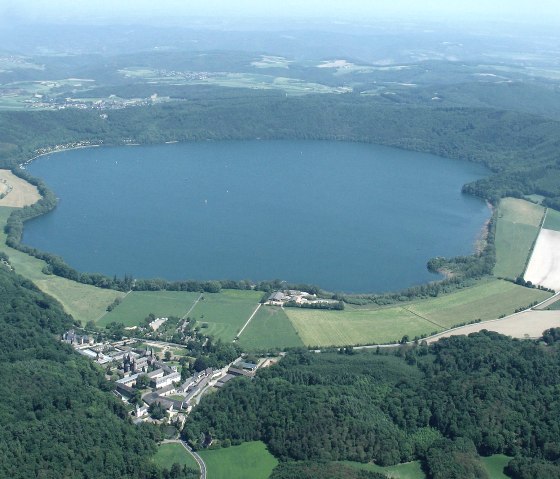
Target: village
<point>156,389</point>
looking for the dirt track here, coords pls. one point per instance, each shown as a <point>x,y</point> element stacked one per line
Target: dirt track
<point>544,267</point>
<point>19,193</point>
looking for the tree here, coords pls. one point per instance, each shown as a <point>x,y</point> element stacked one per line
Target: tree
<point>142,381</point>
<point>167,355</point>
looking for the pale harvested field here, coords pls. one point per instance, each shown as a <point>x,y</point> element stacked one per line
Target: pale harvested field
<point>525,325</point>
<point>544,266</point>
<point>22,193</point>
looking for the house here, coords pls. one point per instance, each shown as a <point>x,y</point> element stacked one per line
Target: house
<point>277,297</point>
<point>155,374</point>
<point>249,366</point>
<point>129,380</point>
<point>161,382</point>
<point>75,339</point>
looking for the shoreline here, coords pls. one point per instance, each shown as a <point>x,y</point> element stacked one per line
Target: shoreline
<point>55,150</point>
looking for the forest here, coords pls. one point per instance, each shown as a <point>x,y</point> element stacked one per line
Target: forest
<point>59,418</point>
<point>444,404</point>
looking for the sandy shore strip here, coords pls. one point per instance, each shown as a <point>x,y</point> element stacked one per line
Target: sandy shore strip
<point>19,193</point>
<point>544,266</point>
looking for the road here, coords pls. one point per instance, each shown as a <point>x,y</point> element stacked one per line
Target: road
<point>197,458</point>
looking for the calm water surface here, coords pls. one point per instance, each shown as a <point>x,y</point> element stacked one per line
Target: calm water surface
<point>346,216</point>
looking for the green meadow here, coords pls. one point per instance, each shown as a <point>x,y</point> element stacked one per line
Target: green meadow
<point>269,328</point>
<point>226,312</point>
<point>174,452</point>
<point>516,231</point>
<point>250,460</point>
<point>486,300</point>
<point>552,221</point>
<point>138,304</point>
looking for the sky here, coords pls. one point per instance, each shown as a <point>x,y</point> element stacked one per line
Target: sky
<point>119,11</point>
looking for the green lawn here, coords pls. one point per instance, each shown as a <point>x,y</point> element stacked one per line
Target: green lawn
<point>169,453</point>
<point>82,301</point>
<point>270,328</point>
<point>226,312</point>
<point>340,328</point>
<point>409,470</point>
<point>250,460</point>
<point>487,300</point>
<point>138,304</point>
<point>516,231</point>
<point>495,464</point>
<point>552,221</point>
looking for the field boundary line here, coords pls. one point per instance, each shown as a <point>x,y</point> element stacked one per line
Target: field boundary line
<point>249,320</point>
<point>422,317</point>
<point>532,249</point>
<point>96,320</point>
<point>192,306</point>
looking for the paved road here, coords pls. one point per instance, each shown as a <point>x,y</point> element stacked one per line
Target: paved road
<point>197,458</point>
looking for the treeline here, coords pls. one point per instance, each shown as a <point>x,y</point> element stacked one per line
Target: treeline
<point>443,404</point>
<point>336,305</point>
<point>58,416</point>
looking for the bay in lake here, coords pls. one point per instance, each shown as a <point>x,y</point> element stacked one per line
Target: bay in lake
<point>345,216</point>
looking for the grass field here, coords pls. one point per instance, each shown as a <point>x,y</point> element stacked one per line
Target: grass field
<point>487,300</point>
<point>83,302</point>
<point>409,470</point>
<point>484,301</point>
<point>169,453</point>
<point>340,328</point>
<point>495,464</point>
<point>138,304</point>
<point>552,221</point>
<point>269,328</point>
<point>516,231</point>
<point>226,312</point>
<point>250,460</point>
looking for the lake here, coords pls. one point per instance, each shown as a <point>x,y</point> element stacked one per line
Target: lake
<point>346,216</point>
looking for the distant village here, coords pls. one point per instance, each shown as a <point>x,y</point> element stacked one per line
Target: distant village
<point>154,387</point>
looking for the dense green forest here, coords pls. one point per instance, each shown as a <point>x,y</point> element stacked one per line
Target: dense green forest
<point>443,404</point>
<point>59,418</point>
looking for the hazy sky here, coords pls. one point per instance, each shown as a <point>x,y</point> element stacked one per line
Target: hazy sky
<point>535,11</point>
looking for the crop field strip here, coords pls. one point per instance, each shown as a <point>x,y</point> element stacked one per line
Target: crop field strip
<point>516,231</point>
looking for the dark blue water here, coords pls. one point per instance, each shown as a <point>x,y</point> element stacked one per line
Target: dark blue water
<point>346,216</point>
